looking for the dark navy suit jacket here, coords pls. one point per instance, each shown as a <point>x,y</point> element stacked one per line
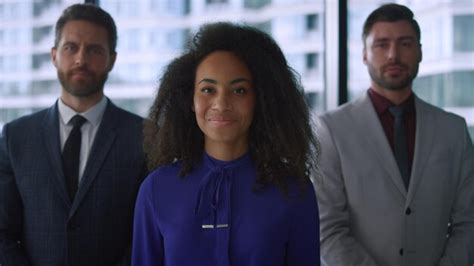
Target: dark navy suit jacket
<point>39,225</point>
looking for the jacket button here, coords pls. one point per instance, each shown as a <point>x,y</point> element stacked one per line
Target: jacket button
<point>72,227</point>
<point>401,252</point>
<point>408,211</point>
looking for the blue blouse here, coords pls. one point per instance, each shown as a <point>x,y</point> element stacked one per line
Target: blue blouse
<point>212,217</point>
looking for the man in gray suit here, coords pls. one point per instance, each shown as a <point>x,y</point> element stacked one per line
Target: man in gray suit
<point>69,174</point>
<point>397,184</point>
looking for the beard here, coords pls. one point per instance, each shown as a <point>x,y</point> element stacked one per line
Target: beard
<point>93,85</point>
<point>390,83</point>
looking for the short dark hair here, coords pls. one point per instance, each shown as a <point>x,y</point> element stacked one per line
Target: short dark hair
<point>390,13</point>
<point>281,140</point>
<point>92,14</point>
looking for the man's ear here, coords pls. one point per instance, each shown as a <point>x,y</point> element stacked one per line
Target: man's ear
<point>113,57</point>
<point>364,55</point>
<point>53,55</point>
<point>421,55</point>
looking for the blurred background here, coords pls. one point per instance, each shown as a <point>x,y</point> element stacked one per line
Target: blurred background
<point>320,38</point>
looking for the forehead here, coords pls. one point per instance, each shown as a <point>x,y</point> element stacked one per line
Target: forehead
<point>81,31</point>
<point>222,63</point>
<point>391,30</point>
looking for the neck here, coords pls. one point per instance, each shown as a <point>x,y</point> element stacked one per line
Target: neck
<point>394,96</point>
<point>224,151</point>
<point>81,104</point>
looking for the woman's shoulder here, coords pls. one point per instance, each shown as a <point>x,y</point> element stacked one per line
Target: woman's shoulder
<point>166,170</point>
<point>162,174</point>
<point>301,191</point>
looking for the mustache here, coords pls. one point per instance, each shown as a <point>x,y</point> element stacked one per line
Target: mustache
<point>80,70</point>
<point>389,65</point>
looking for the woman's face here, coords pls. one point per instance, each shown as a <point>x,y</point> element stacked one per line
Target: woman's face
<point>224,101</point>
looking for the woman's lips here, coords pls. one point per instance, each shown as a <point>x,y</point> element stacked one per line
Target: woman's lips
<point>221,121</point>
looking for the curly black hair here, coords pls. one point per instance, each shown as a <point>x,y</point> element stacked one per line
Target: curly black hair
<point>281,138</point>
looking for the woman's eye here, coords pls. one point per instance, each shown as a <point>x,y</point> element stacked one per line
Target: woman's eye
<point>240,90</point>
<point>207,90</point>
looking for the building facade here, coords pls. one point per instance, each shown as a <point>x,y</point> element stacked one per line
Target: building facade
<point>151,33</point>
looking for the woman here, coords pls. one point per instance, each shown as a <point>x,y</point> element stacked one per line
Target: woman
<point>232,147</point>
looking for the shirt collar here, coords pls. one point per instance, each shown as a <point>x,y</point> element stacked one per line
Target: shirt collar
<point>381,104</point>
<point>214,163</point>
<point>93,114</point>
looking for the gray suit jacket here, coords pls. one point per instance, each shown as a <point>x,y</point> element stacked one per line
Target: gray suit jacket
<point>367,217</point>
<point>39,225</point>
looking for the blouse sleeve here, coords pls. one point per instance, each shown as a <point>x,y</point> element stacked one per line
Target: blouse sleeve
<point>303,245</point>
<point>147,248</point>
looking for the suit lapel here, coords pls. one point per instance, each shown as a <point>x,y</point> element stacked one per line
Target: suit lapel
<point>372,131</point>
<point>50,136</point>
<point>424,137</point>
<point>103,141</point>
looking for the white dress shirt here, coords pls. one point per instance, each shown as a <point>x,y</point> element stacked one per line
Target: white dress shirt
<point>88,129</point>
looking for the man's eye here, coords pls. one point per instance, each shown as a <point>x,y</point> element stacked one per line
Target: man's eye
<point>96,51</point>
<point>68,48</point>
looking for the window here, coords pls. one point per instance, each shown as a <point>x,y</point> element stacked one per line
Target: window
<point>433,89</point>
<point>463,33</point>
<point>255,4</point>
<point>311,61</point>
<point>312,22</point>
<point>40,59</point>
<point>176,40</point>
<point>216,1</point>
<point>41,32</point>
<point>263,26</point>
<point>42,87</point>
<point>313,99</point>
<point>39,7</point>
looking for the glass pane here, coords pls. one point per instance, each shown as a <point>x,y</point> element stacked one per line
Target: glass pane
<point>446,73</point>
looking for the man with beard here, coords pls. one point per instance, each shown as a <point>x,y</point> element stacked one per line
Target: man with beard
<point>69,174</point>
<point>397,185</point>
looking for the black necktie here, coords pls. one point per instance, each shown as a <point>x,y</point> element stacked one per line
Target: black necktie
<point>71,154</point>
<point>400,143</point>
